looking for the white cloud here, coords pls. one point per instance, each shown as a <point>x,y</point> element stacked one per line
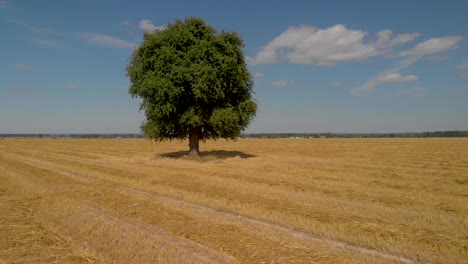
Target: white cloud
<point>439,58</point>
<point>3,4</point>
<point>334,84</point>
<point>72,86</point>
<point>396,78</point>
<point>310,45</point>
<point>463,65</point>
<point>105,40</point>
<point>44,42</point>
<point>404,38</point>
<point>464,76</point>
<point>385,39</point>
<point>249,60</point>
<point>259,75</point>
<point>388,76</point>
<point>21,66</point>
<point>281,83</point>
<point>434,45</point>
<point>431,46</point>
<point>147,26</point>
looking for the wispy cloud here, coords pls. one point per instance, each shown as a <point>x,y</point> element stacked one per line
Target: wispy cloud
<point>42,31</point>
<point>148,26</point>
<point>310,45</point>
<point>72,86</point>
<point>416,91</point>
<point>281,83</point>
<point>259,75</point>
<point>334,84</point>
<point>125,23</point>
<point>439,58</point>
<point>105,40</point>
<point>3,4</point>
<point>44,42</point>
<point>396,78</point>
<point>386,39</point>
<point>463,65</point>
<point>128,27</point>
<point>433,45</point>
<point>21,66</point>
<point>41,35</point>
<point>430,46</point>
<point>251,61</point>
<point>387,76</point>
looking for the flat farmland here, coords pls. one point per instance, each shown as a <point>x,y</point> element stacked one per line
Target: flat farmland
<point>245,201</point>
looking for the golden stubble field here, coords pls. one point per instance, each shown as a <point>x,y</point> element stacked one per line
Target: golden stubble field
<point>250,201</point>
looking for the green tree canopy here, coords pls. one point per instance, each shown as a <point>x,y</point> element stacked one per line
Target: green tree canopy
<point>193,82</point>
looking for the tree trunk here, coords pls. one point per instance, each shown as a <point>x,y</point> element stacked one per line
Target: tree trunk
<point>194,133</point>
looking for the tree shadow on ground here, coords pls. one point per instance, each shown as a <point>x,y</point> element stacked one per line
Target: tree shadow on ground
<point>212,154</point>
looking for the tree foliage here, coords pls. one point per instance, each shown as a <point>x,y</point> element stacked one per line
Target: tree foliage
<point>192,78</point>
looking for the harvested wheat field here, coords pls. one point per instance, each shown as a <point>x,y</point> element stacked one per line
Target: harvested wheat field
<point>249,201</point>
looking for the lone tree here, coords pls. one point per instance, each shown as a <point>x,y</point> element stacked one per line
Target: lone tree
<point>193,82</point>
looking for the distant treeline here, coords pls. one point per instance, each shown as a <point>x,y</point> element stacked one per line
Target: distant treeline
<point>72,135</point>
<point>457,133</point>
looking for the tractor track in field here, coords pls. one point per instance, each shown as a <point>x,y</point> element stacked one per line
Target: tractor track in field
<point>226,215</point>
<point>163,236</point>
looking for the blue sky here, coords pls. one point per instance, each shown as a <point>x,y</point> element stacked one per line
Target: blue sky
<point>319,66</point>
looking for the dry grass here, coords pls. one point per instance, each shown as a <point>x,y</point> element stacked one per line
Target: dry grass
<point>250,201</point>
